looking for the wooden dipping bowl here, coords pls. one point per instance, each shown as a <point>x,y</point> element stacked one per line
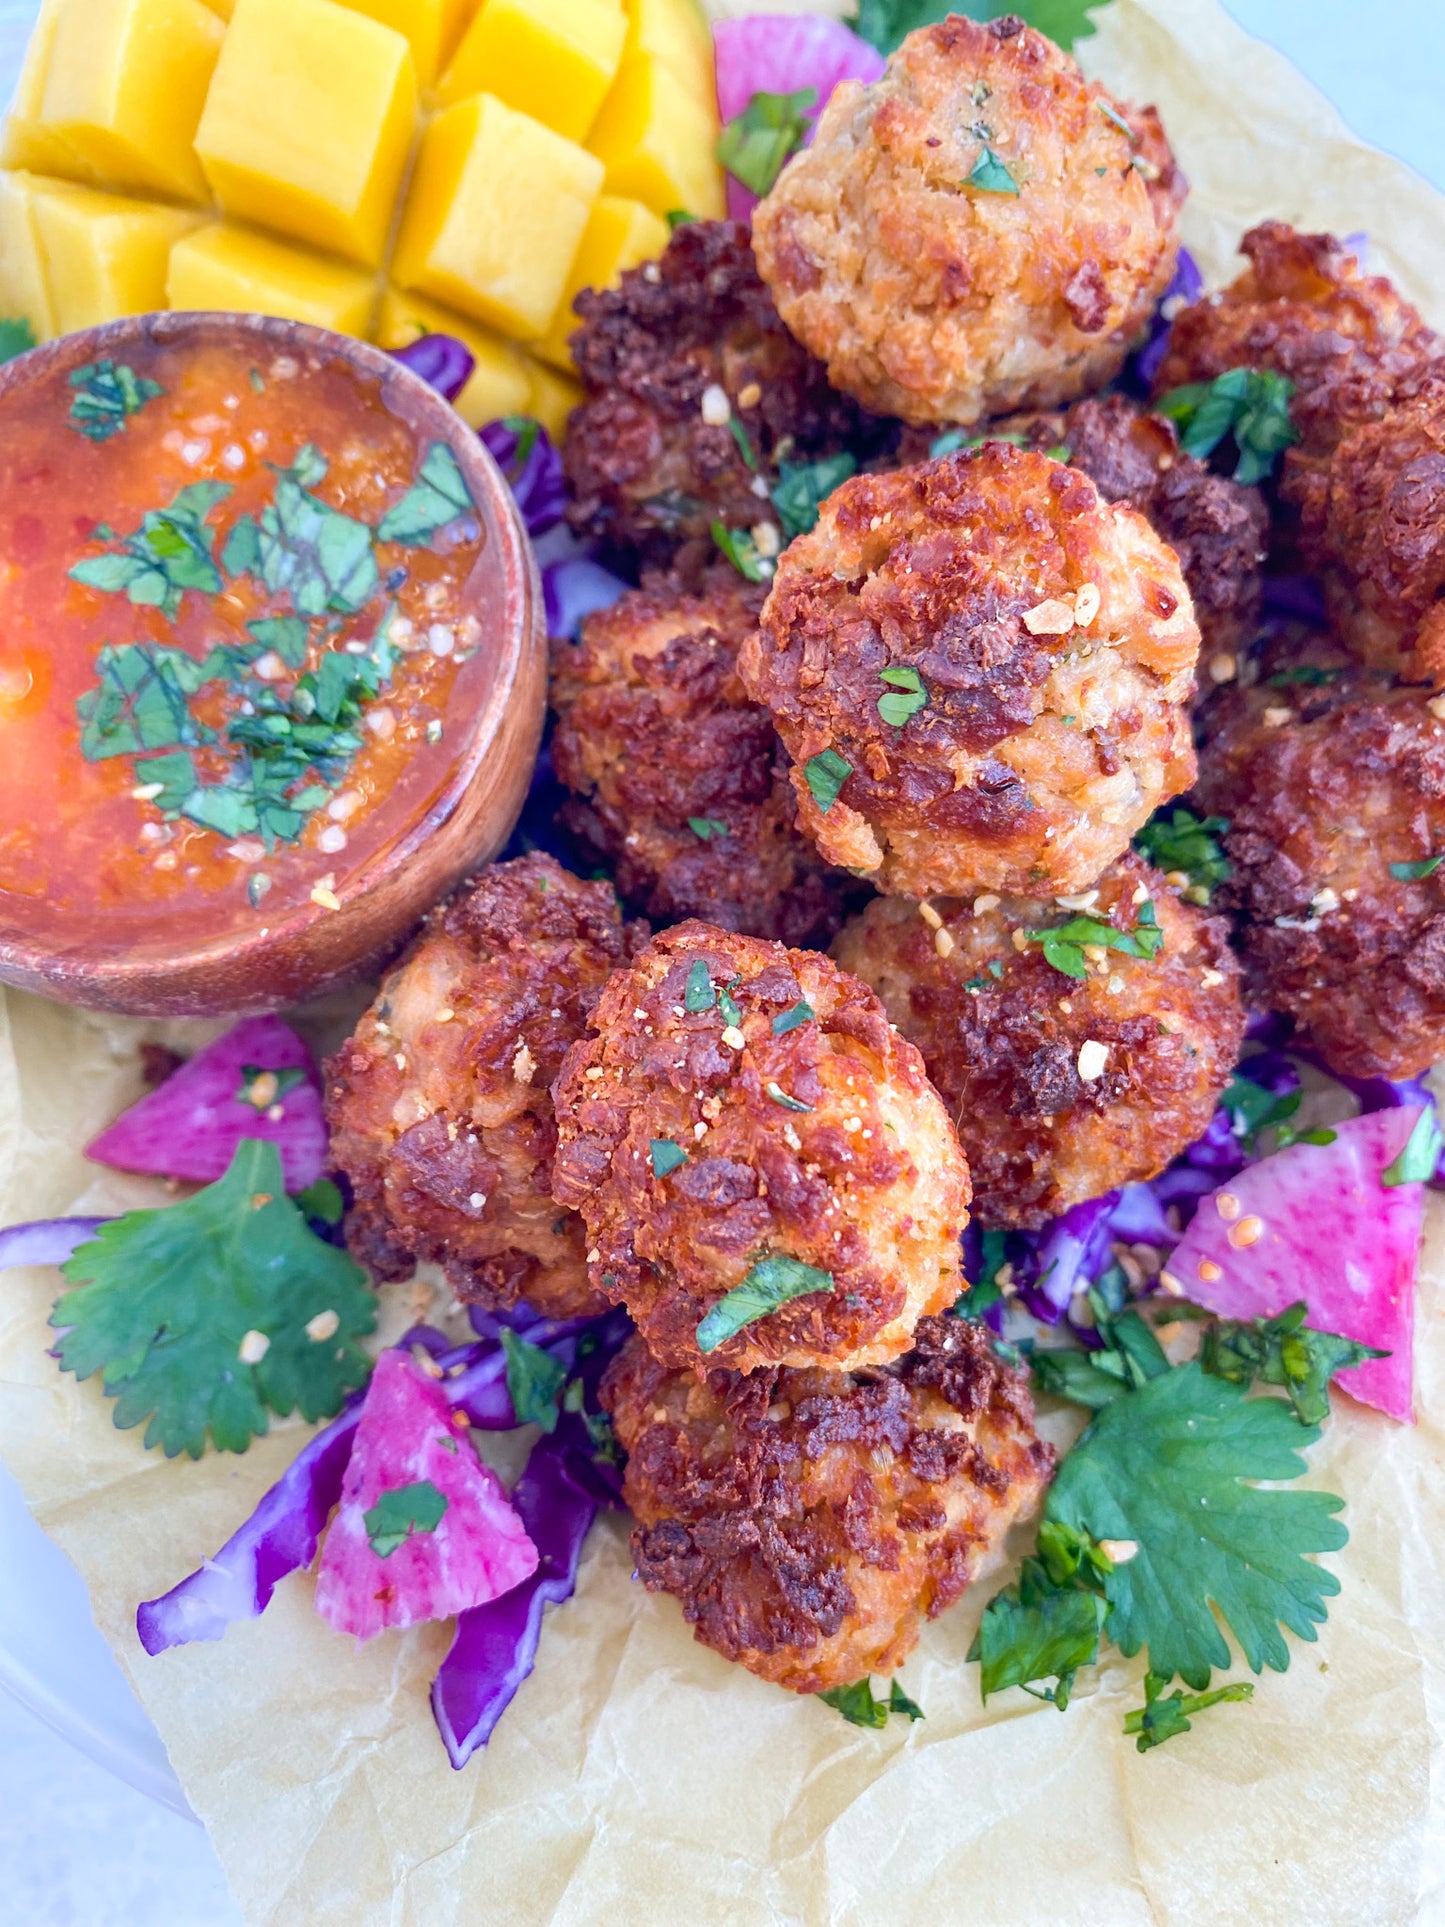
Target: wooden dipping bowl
<point>449,809</point>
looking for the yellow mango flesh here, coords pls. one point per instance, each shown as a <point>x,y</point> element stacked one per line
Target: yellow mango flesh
<point>23,290</point>
<point>225,8</point>
<point>656,141</point>
<point>618,235</point>
<point>501,382</point>
<point>232,269</point>
<point>497,208</point>
<point>432,26</point>
<point>552,59</point>
<point>676,32</point>
<point>104,256</point>
<point>552,399</point>
<point>124,89</point>
<point>309,123</point>
<point>28,142</point>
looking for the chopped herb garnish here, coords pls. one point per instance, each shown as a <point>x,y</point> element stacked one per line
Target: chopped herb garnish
<point>744,441</point>
<point>1251,404</point>
<point>801,1012</point>
<point>1116,119</point>
<point>403,1514</point>
<point>995,971</point>
<point>742,551</point>
<point>1252,1109</point>
<point>727,1004</point>
<point>986,1290</point>
<point>1039,1629</point>
<point>1162,1719</point>
<point>772,1281</point>
<point>141,701</point>
<point>17,337</point>
<point>826,773</point>
<point>990,175</point>
<point>169,553</point>
<point>758,144</point>
<point>699,994</point>
<point>1283,1351</point>
<point>304,548</point>
<point>1417,872</point>
<point>322,1201</point>
<point>534,1381</point>
<point>1308,675</point>
<point>803,487</point>
<point>884,23</point>
<point>1187,843</point>
<point>666,1156</point>
<point>906,694</point>
<point>678,217</point>
<point>106,394</point>
<point>261,1095</point>
<point>858,1706</point>
<point>780,1096</point>
<point>1064,946</point>
<point>1416,1163</point>
<point>437,498</point>
<point>289,636</point>
<point>706,827</point>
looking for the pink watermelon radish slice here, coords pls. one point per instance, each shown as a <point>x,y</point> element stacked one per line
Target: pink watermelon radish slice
<point>424,1529</point>
<point>1316,1222</point>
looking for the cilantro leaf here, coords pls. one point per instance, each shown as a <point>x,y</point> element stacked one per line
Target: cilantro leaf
<point>826,774</point>
<point>534,1381</point>
<point>304,548</point>
<point>772,1281</point>
<point>990,175</point>
<point>801,1012</point>
<point>1168,1469</point>
<point>401,1514</point>
<point>17,337</point>
<point>666,1156</point>
<point>289,636</point>
<point>742,551</point>
<point>1049,1634</point>
<point>1161,1719</point>
<point>858,1706</point>
<point>1416,872</point>
<point>141,701</point>
<point>169,553</point>
<point>779,1096</point>
<point>322,1201</point>
<point>704,828</point>
<point>164,1302</point>
<point>1064,945</point>
<point>1416,1163</point>
<point>698,993</point>
<point>907,694</point>
<point>1282,1351</point>
<point>1252,1109</point>
<point>758,144</point>
<point>884,23</point>
<point>1188,843</point>
<point>106,395</point>
<point>1250,404</point>
<point>803,487</point>
<point>438,497</point>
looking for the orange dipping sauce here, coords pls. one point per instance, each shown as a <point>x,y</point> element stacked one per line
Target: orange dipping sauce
<point>164,761</point>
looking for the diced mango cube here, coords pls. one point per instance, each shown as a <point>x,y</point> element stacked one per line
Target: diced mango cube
<point>496,211</point>
<point>125,86</point>
<point>104,256</point>
<point>618,235</point>
<point>23,292</point>
<point>28,142</point>
<point>657,141</point>
<point>432,26</point>
<point>501,382</point>
<point>309,122</point>
<point>552,399</point>
<point>230,268</point>
<point>552,59</point>
<point>676,32</point>
<point>223,7</point>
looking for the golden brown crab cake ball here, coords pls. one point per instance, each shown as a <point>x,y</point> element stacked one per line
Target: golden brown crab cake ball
<point>679,783</point>
<point>1069,1068</point>
<point>766,1174</point>
<point>979,230</point>
<point>440,1101</point>
<point>1333,778</point>
<point>809,1522</point>
<point>1350,343</point>
<point>979,668</point>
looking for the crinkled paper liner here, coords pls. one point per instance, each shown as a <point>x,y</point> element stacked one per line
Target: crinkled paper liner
<point>638,1776</point>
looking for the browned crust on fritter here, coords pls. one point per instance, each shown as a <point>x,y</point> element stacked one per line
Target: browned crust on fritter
<point>868,1184</point>
<point>1003,1050</point>
<point>936,300</point>
<point>809,1522</point>
<point>646,472</point>
<point>1326,787</point>
<point>654,729</point>
<point>440,1103</point>
<point>1037,756</point>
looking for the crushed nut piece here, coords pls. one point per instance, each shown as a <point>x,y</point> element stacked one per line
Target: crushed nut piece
<point>1086,604</point>
<point>326,1324</point>
<point>254,1347</point>
<point>1052,617</point>
<point>1093,1056</point>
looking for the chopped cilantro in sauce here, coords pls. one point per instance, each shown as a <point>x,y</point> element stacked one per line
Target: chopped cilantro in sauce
<point>106,393</point>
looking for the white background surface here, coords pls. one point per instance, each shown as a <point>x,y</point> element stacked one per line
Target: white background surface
<point>78,1848</point>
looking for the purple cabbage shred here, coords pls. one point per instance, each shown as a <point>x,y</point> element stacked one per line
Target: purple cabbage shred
<point>442,361</point>
<point>524,452</point>
<point>1186,286</point>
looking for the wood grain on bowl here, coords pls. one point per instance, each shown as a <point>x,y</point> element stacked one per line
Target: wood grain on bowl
<point>272,662</point>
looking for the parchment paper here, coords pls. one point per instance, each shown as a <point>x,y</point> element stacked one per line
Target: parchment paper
<point>639,1777</point>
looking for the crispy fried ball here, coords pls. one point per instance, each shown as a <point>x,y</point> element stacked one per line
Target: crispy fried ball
<point>679,782</point>
<point>1060,1089</point>
<point>810,1521</point>
<point>1053,637</point>
<point>1372,523</point>
<point>980,230</point>
<point>1348,341</point>
<point>812,1138</point>
<point>649,463</point>
<point>440,1104</point>
<point>1330,778</point>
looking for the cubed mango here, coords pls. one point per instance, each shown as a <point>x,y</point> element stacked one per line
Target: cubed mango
<point>552,399</point>
<point>125,86</point>
<point>104,256</point>
<point>432,26</point>
<point>224,267</point>
<point>657,141</point>
<point>28,142</point>
<point>495,214</point>
<point>501,382</point>
<point>23,291</point>
<point>309,123</point>
<point>676,32</point>
<point>552,59</point>
<point>223,7</point>
<point>618,235</point>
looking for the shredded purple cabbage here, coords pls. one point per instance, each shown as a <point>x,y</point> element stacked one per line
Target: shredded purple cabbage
<point>46,1241</point>
<point>442,361</point>
<point>523,450</point>
<point>1186,286</point>
<point>1298,597</point>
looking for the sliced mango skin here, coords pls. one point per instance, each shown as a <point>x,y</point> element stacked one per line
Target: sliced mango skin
<point>500,383</point>
<point>230,269</point>
<point>432,26</point>
<point>24,290</point>
<point>552,59</point>
<point>497,208</point>
<point>288,143</point>
<point>103,255</point>
<point>619,234</point>
<point>647,138</point>
<point>124,87</point>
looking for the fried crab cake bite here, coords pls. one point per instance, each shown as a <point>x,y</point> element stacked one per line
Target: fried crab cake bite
<point>439,1102</point>
<point>979,667</point>
<point>1333,778</point>
<point>980,230</point>
<point>1078,1046</point>
<point>694,389</point>
<point>1304,308</point>
<point>809,1522</point>
<point>679,783</point>
<point>766,1174</point>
